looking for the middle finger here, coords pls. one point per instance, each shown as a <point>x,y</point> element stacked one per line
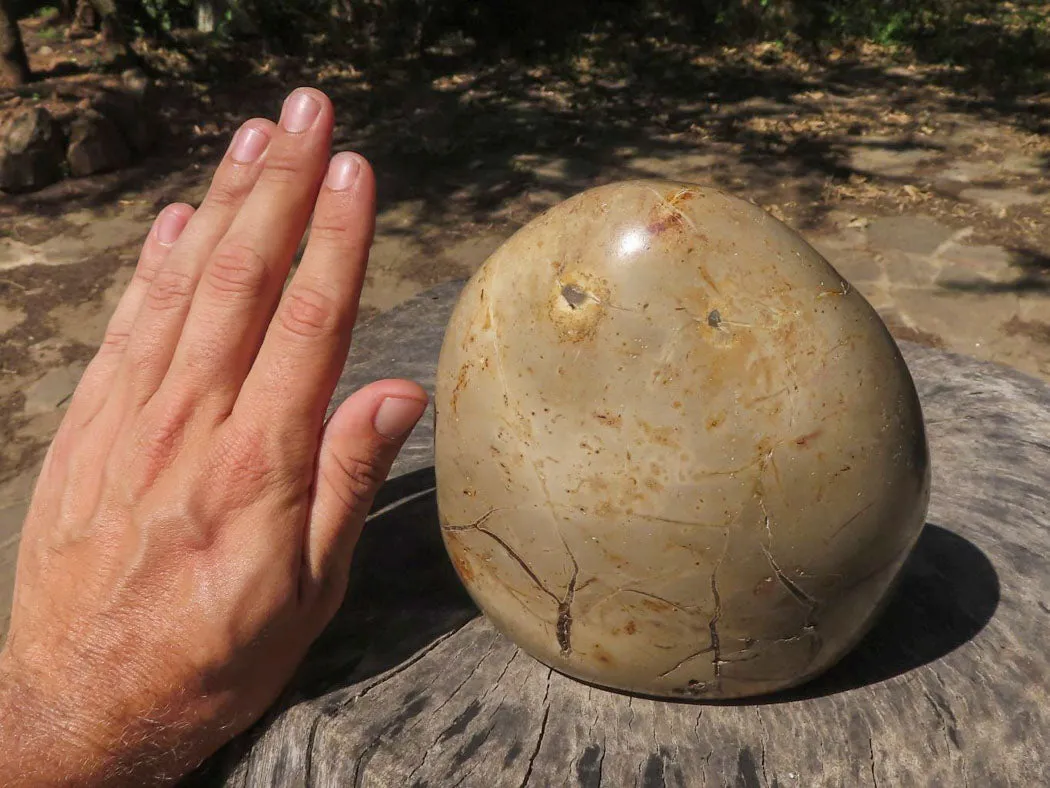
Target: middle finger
<point>244,275</point>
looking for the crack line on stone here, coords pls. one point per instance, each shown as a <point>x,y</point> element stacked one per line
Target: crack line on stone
<point>675,605</point>
<point>850,520</point>
<point>674,209</point>
<point>681,662</point>
<point>521,562</point>
<point>476,523</point>
<point>712,625</point>
<point>673,521</point>
<point>796,592</point>
<point>564,626</point>
<point>626,589</point>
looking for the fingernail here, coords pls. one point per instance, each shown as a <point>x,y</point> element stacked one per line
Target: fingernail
<point>299,112</point>
<point>170,224</point>
<point>248,145</point>
<point>342,171</point>
<point>397,416</point>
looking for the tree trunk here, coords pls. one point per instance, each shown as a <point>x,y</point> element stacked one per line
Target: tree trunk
<point>112,29</point>
<point>208,13</point>
<point>14,65</point>
<point>85,20</point>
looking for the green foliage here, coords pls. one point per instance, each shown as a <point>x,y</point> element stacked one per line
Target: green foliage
<point>158,17</point>
<point>1012,37</point>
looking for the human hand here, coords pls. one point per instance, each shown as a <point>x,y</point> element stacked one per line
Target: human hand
<point>192,527</point>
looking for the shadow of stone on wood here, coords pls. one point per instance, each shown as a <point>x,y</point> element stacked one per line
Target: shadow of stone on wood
<point>947,592</point>
<point>403,592</point>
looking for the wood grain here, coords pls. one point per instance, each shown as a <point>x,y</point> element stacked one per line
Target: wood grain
<point>411,687</point>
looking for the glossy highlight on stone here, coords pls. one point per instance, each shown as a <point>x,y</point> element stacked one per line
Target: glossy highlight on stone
<point>676,453</point>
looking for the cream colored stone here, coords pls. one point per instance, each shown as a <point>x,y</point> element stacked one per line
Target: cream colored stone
<point>676,453</point>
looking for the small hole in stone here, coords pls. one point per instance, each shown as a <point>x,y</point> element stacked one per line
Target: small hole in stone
<point>574,296</point>
<point>714,319</point>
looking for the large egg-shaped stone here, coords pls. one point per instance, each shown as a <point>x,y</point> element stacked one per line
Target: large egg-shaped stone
<point>676,453</point>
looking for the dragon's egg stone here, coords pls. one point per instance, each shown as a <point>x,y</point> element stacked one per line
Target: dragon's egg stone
<point>676,453</point>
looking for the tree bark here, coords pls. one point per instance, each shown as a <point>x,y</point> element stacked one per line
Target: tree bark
<point>14,65</point>
<point>112,29</point>
<point>208,13</point>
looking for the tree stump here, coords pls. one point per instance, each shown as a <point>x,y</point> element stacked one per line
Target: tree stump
<point>410,686</point>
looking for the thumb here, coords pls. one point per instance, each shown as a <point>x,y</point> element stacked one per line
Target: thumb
<point>358,446</point>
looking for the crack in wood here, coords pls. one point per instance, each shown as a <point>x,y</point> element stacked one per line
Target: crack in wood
<point>408,663</point>
<point>543,730</point>
<point>440,706</point>
<point>308,756</point>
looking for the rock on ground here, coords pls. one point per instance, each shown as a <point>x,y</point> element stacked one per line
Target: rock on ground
<point>96,145</point>
<point>31,151</point>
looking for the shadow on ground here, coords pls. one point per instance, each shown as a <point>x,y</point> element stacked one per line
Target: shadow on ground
<point>1032,276</point>
<point>461,139</point>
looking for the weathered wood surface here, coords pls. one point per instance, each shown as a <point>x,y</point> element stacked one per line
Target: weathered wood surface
<point>410,686</point>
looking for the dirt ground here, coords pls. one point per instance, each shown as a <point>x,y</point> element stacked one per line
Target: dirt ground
<point>927,188</point>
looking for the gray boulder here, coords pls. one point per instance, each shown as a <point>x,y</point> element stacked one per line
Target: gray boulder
<point>96,144</point>
<point>32,151</point>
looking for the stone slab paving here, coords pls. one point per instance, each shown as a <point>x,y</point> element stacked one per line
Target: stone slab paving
<point>931,285</point>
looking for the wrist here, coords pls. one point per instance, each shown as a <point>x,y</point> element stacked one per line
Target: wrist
<point>39,741</point>
<point>55,730</point>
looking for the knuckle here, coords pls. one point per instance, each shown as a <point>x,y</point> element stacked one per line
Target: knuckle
<point>144,274</point>
<point>169,289</point>
<point>228,193</point>
<point>307,312</point>
<point>283,167</point>
<point>115,341</point>
<point>245,464</point>
<point>329,231</point>
<point>355,480</point>
<point>236,269</point>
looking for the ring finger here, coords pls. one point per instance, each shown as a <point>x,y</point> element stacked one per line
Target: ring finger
<point>159,322</point>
